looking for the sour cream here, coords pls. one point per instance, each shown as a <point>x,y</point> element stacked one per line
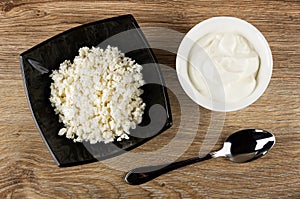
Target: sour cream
<point>223,66</point>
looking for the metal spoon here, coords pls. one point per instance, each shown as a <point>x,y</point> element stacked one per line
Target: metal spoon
<point>242,146</point>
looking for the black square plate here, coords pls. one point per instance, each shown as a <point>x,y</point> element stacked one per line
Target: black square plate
<point>38,62</point>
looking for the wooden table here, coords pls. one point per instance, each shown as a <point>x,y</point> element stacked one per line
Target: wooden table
<point>27,169</point>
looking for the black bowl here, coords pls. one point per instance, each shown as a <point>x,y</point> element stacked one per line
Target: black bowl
<point>38,62</point>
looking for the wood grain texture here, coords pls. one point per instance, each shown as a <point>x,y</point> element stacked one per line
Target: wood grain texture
<point>27,169</point>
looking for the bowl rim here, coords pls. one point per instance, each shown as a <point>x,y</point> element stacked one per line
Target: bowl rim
<point>238,25</point>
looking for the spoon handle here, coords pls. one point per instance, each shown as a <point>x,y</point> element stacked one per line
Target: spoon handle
<point>144,174</point>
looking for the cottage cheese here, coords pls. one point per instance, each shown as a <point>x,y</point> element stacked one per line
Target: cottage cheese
<point>97,97</point>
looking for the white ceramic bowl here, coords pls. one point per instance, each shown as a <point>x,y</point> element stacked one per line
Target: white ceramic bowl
<point>225,24</point>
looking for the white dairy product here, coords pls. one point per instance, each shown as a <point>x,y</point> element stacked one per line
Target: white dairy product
<point>223,66</point>
<point>98,96</point>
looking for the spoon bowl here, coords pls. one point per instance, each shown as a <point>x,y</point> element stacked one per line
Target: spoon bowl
<point>246,145</point>
<point>240,147</point>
